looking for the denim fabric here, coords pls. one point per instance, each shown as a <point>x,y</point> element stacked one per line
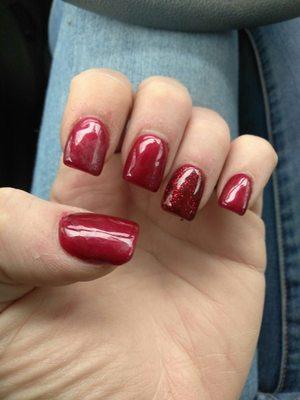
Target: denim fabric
<point>208,66</point>
<point>55,18</point>
<point>277,50</point>
<point>269,80</point>
<point>252,104</point>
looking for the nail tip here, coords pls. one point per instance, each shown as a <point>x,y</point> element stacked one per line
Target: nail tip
<point>131,180</point>
<point>228,207</point>
<point>73,165</point>
<point>187,217</point>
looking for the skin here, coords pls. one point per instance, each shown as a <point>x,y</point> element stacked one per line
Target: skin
<point>181,319</point>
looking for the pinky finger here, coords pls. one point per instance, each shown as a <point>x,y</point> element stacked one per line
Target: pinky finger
<point>249,165</point>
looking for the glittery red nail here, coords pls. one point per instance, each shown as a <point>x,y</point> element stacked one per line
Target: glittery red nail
<point>184,191</point>
<point>236,194</point>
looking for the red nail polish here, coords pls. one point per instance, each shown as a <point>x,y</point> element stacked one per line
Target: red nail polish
<point>87,145</point>
<point>236,194</point>
<point>146,162</point>
<point>184,191</point>
<point>98,238</point>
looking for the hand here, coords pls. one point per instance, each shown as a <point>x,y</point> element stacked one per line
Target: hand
<point>180,320</point>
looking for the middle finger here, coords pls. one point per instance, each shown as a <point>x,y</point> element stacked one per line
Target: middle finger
<point>160,113</point>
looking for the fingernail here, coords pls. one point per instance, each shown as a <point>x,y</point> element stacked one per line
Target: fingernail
<point>146,162</point>
<point>236,194</point>
<point>98,238</point>
<point>87,145</point>
<point>184,191</point>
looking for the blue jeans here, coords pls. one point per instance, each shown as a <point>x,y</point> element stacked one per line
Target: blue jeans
<point>208,64</point>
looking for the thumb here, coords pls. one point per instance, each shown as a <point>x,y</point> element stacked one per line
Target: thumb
<point>43,243</point>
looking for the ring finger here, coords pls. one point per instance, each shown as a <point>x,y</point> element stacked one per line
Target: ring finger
<point>198,163</point>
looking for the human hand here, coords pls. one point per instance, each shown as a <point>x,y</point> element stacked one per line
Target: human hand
<point>180,320</point>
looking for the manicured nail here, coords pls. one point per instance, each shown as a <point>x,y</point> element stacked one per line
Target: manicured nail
<point>87,145</point>
<point>236,194</point>
<point>98,238</point>
<point>146,162</point>
<point>184,191</point>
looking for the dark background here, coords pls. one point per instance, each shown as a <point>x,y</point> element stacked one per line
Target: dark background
<point>24,67</point>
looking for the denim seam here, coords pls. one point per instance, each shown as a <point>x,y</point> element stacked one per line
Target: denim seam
<point>279,229</point>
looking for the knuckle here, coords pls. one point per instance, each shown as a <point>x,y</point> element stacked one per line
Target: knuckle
<point>162,87</point>
<point>257,141</point>
<point>260,144</point>
<point>8,194</point>
<point>96,73</point>
<point>8,199</point>
<point>213,120</point>
<point>81,76</point>
<point>216,119</point>
<point>274,157</point>
<point>269,150</point>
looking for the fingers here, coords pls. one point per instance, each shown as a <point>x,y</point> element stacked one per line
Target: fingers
<point>249,165</point>
<point>165,138</point>
<point>206,159</point>
<point>198,163</point>
<point>95,115</point>
<point>44,243</point>
<point>161,111</point>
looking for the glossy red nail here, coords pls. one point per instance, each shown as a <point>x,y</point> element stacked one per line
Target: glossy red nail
<point>87,145</point>
<point>236,194</point>
<point>98,238</point>
<point>146,162</point>
<point>184,191</point>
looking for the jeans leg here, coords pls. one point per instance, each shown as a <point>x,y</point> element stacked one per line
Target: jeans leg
<point>277,51</point>
<point>252,119</point>
<point>206,64</point>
